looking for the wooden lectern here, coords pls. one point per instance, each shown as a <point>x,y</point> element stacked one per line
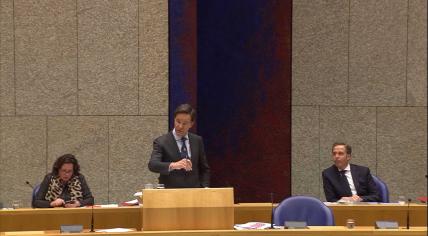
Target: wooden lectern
<point>188,209</point>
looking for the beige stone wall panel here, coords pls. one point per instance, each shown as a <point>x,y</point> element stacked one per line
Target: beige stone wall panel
<point>417,54</point>
<point>305,152</point>
<point>108,57</point>
<point>153,50</point>
<point>45,57</point>
<point>320,52</point>
<point>377,53</point>
<point>402,150</point>
<point>22,157</point>
<point>7,70</point>
<point>130,143</point>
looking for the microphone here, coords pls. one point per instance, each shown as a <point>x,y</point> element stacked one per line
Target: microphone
<point>28,183</point>
<point>408,213</point>
<point>271,215</point>
<point>92,218</point>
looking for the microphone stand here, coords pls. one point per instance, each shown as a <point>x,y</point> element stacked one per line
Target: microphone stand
<point>408,213</point>
<point>92,218</point>
<point>271,214</point>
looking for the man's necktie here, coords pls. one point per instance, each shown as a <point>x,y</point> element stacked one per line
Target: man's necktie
<point>345,183</point>
<point>183,151</point>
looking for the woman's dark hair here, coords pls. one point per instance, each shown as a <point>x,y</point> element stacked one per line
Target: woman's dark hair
<point>65,159</point>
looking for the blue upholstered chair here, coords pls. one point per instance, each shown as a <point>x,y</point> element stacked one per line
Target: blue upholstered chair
<point>34,193</point>
<point>383,189</point>
<point>303,208</point>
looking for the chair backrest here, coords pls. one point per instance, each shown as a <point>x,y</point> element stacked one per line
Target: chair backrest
<point>303,208</point>
<point>383,189</point>
<point>34,193</point>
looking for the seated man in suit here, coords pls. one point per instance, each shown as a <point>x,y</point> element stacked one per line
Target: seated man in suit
<point>179,156</point>
<point>348,182</point>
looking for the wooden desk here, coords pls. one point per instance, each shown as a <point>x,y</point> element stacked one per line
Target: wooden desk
<point>247,212</point>
<point>52,218</point>
<point>131,217</point>
<point>368,214</point>
<point>363,214</point>
<point>312,231</point>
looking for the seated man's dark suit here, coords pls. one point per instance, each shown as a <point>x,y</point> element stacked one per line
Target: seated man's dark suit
<point>364,184</point>
<point>165,151</point>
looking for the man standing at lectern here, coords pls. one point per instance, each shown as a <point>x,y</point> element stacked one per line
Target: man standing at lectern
<point>179,156</point>
<point>348,182</point>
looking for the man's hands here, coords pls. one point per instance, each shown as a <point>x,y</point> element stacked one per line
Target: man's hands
<point>353,198</point>
<point>181,164</point>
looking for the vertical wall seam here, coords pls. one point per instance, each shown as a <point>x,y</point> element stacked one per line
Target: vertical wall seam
<point>407,50</point>
<point>77,60</point>
<point>14,56</point>
<point>138,57</point>
<point>376,127</point>
<point>319,150</point>
<point>47,143</point>
<point>108,159</point>
<point>0,53</point>
<point>349,47</point>
<point>168,64</point>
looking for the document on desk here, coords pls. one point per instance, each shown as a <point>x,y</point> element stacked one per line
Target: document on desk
<point>114,230</point>
<point>108,205</point>
<point>252,225</point>
<point>17,233</point>
<point>130,203</point>
<point>351,203</point>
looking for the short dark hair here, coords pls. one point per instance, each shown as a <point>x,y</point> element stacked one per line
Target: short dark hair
<point>185,109</point>
<point>347,147</point>
<point>65,159</point>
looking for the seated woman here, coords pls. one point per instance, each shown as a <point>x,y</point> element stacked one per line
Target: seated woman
<point>65,186</point>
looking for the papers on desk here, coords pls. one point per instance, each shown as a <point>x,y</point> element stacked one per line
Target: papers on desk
<point>252,225</point>
<point>131,203</point>
<point>114,230</point>
<point>107,205</point>
<point>17,233</point>
<point>423,199</point>
<point>352,203</point>
<point>331,203</point>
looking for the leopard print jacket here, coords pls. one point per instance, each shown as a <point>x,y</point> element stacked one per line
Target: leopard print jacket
<point>56,187</point>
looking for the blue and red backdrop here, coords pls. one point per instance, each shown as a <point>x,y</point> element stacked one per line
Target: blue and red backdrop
<point>231,59</point>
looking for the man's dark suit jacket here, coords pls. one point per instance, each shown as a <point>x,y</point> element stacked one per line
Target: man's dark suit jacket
<point>363,182</point>
<point>165,151</point>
